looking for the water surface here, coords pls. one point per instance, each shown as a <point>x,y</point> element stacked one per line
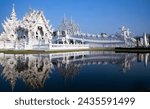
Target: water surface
<point>103,71</point>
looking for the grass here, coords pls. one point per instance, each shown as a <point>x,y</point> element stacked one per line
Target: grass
<point>127,50</point>
<point>52,51</point>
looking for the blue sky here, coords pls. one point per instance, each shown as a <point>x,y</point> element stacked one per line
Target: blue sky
<point>93,16</point>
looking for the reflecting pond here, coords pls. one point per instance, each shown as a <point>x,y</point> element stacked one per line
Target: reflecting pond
<point>75,71</point>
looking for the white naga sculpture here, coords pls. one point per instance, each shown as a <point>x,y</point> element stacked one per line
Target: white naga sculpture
<point>125,32</point>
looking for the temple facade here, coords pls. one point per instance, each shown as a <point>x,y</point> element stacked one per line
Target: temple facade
<point>33,29</point>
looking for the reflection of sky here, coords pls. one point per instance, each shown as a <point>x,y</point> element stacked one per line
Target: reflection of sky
<point>93,16</point>
<point>88,76</point>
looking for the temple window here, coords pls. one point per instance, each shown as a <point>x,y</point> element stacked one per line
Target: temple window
<point>46,34</point>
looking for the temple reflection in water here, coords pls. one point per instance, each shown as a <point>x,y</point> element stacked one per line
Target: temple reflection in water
<point>35,69</point>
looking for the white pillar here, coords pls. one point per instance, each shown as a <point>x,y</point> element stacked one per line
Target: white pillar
<point>145,40</point>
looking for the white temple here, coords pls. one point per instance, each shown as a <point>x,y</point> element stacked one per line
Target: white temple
<point>34,32</point>
<point>33,29</point>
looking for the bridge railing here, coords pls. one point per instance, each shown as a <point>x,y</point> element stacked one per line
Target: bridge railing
<point>67,46</point>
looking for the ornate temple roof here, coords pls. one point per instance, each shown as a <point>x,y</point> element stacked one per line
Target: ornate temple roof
<point>32,18</point>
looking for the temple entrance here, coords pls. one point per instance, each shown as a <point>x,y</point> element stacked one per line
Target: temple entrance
<point>40,29</point>
<point>40,35</point>
<point>39,32</point>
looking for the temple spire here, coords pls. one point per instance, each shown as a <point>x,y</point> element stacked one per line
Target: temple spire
<point>64,20</point>
<point>13,13</point>
<point>71,20</point>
